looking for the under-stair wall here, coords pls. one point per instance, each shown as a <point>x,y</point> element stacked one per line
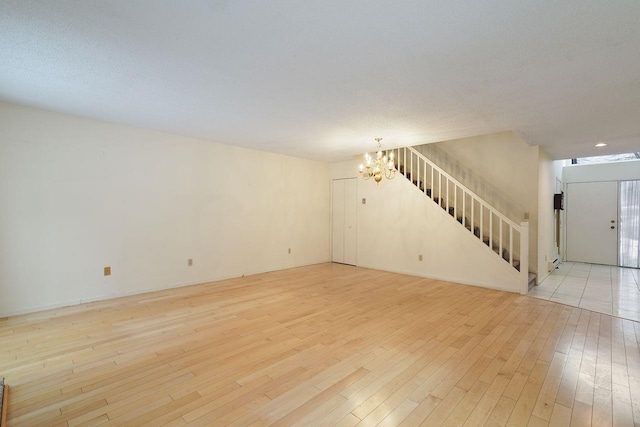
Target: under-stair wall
<point>398,224</point>
<point>502,169</point>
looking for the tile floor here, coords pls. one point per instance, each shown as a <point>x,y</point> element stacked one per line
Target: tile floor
<point>601,288</point>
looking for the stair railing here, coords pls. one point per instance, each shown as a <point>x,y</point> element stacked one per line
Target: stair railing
<point>508,240</point>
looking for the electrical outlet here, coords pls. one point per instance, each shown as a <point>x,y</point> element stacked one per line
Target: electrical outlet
<point>526,215</point>
<point>107,271</point>
<point>420,257</point>
<point>364,201</point>
<point>190,262</point>
<point>289,250</point>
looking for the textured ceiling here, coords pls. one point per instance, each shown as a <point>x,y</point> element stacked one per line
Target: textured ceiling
<point>321,79</point>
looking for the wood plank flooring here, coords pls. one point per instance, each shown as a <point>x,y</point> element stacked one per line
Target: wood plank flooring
<point>322,345</point>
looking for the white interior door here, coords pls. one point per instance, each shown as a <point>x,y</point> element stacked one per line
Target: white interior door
<point>350,219</point>
<point>592,222</point>
<point>337,221</point>
<point>343,221</point>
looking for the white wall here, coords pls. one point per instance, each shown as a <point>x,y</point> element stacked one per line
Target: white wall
<point>79,194</point>
<point>615,171</point>
<point>547,248</point>
<point>398,223</point>
<point>502,169</point>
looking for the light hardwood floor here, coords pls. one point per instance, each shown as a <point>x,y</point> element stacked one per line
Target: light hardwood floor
<point>322,345</point>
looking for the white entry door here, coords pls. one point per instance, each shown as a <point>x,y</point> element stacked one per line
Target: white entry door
<point>343,220</point>
<point>592,222</point>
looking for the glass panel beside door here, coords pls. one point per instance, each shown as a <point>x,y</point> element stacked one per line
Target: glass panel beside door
<point>629,224</point>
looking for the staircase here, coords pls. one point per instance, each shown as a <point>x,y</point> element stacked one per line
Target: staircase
<point>506,239</point>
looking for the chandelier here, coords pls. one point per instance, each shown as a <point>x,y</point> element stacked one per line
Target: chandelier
<point>378,167</point>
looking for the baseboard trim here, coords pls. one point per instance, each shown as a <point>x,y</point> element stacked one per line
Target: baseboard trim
<point>6,315</point>
<point>441,278</point>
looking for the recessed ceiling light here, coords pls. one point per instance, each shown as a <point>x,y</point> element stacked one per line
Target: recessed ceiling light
<point>601,144</point>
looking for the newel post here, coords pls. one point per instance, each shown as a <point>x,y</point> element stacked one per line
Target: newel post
<point>524,258</point>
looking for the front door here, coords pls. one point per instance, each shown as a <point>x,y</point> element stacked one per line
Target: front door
<point>592,222</point>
